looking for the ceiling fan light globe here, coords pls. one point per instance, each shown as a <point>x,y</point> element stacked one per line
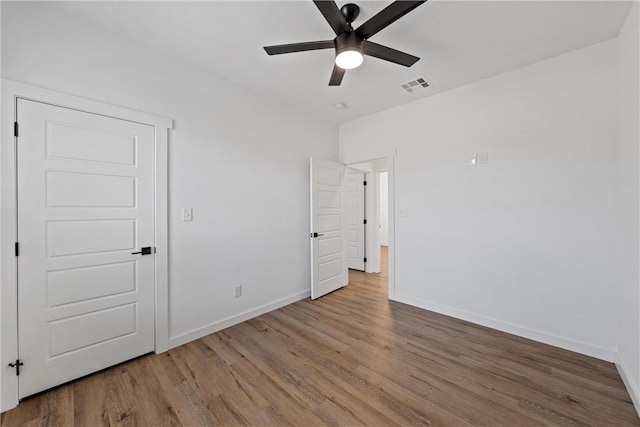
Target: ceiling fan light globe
<point>349,59</point>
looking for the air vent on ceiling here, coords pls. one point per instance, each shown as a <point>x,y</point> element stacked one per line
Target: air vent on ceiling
<point>416,84</point>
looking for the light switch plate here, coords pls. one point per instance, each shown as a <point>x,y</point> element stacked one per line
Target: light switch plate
<point>403,212</point>
<point>187,214</point>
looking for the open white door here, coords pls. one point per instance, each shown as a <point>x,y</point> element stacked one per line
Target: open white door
<point>328,228</point>
<point>355,220</point>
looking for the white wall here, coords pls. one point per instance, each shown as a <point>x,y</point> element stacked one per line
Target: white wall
<point>383,192</point>
<point>628,328</point>
<point>239,160</point>
<point>525,243</point>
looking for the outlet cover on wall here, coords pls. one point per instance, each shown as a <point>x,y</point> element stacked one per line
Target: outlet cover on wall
<point>479,159</point>
<point>237,291</point>
<point>187,214</point>
<point>403,212</point>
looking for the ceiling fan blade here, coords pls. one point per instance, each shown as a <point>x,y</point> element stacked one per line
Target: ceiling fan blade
<point>332,14</point>
<point>336,76</point>
<point>387,16</point>
<point>388,54</point>
<point>298,47</point>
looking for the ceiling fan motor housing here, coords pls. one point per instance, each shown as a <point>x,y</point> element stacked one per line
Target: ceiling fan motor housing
<point>349,41</point>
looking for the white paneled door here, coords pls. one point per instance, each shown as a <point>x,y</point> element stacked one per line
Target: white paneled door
<point>85,207</point>
<point>328,227</point>
<point>355,221</point>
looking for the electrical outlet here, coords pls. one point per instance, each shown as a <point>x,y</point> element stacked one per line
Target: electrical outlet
<point>237,291</point>
<point>187,214</point>
<point>403,212</point>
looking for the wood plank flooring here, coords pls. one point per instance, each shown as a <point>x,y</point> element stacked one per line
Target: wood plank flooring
<point>350,358</point>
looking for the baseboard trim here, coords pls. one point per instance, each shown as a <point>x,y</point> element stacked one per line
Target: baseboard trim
<point>532,334</point>
<point>633,391</point>
<point>235,319</point>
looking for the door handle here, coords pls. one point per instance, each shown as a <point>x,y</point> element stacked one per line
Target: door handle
<point>17,365</point>
<point>143,251</point>
<point>314,235</point>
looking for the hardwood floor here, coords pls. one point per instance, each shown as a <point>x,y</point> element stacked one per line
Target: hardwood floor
<point>349,358</point>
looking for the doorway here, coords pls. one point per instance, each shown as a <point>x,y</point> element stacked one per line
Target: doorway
<point>85,208</point>
<point>377,228</point>
<point>356,219</point>
<point>66,300</point>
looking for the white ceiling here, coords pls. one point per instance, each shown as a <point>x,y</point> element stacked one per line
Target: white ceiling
<point>459,42</point>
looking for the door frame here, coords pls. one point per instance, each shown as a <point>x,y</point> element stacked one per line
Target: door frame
<point>11,92</point>
<point>379,193</point>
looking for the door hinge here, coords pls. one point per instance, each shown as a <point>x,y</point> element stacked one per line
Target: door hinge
<point>364,221</point>
<point>365,183</point>
<point>17,249</point>
<point>16,365</point>
<point>15,129</point>
<point>365,260</point>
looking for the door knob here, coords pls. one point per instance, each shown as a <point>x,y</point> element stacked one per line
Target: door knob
<point>315,235</point>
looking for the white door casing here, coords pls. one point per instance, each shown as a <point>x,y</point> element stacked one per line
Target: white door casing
<point>85,203</point>
<point>328,221</point>
<point>355,220</point>
<point>384,208</point>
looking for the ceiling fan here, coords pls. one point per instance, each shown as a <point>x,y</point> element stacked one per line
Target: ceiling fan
<point>350,45</point>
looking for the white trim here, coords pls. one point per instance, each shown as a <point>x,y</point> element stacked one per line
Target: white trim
<point>38,94</point>
<point>235,319</point>
<point>8,230</point>
<point>633,391</point>
<point>608,355</point>
<point>12,90</point>
<point>391,269</point>
<point>162,240</point>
